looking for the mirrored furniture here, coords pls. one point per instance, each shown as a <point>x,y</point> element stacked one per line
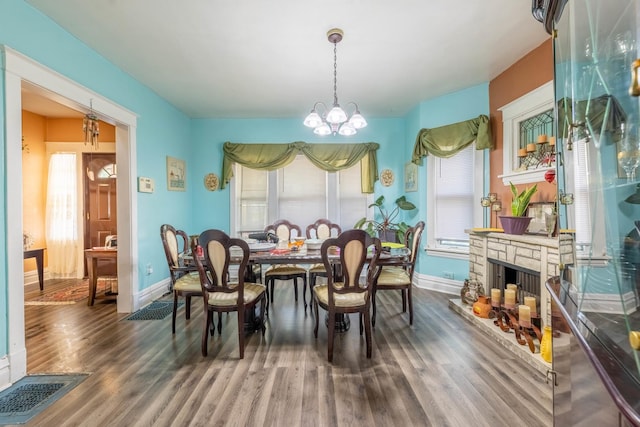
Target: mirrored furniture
<point>596,307</point>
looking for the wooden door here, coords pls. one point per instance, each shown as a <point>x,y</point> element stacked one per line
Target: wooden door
<point>99,172</point>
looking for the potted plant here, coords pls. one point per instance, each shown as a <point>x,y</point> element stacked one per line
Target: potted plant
<point>518,222</point>
<point>384,224</point>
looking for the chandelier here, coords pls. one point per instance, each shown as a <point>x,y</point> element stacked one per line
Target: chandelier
<point>91,127</point>
<point>335,120</point>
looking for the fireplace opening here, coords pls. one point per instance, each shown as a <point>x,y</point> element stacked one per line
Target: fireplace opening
<point>501,273</point>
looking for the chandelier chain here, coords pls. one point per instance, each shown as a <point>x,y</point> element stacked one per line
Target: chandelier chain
<point>335,73</point>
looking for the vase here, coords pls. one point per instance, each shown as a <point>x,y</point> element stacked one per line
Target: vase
<point>515,224</point>
<point>545,345</point>
<point>482,307</point>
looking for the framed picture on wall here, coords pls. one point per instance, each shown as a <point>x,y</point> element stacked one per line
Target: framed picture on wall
<point>410,177</point>
<point>176,174</point>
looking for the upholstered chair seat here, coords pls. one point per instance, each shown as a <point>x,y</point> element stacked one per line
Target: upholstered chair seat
<point>355,299</point>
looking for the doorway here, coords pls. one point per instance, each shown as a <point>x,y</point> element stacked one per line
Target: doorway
<point>18,69</point>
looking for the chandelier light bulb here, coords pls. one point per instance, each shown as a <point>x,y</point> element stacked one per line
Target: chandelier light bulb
<point>313,120</point>
<point>336,115</point>
<point>347,129</point>
<point>357,121</point>
<point>322,130</point>
<point>335,120</point>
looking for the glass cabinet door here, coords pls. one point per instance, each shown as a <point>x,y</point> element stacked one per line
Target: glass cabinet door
<point>595,46</point>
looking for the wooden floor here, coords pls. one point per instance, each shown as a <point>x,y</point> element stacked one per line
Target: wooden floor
<point>440,372</point>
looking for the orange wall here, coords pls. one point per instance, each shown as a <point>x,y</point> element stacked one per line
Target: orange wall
<point>34,178</point>
<point>70,130</point>
<point>36,131</point>
<point>530,72</point>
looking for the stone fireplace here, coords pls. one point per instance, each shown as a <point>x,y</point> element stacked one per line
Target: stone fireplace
<point>496,259</point>
<point>528,261</point>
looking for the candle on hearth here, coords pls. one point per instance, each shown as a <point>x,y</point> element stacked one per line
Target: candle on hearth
<point>496,296</point>
<point>522,152</point>
<point>509,298</point>
<point>524,316</point>
<point>512,286</point>
<point>542,139</point>
<point>552,140</point>
<point>531,148</point>
<point>531,303</point>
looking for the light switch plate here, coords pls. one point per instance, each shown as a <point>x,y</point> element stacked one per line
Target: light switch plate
<point>145,185</point>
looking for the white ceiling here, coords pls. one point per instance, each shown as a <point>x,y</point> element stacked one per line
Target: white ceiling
<point>268,59</point>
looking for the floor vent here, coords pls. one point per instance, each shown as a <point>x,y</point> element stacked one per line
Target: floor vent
<point>157,310</point>
<point>32,394</point>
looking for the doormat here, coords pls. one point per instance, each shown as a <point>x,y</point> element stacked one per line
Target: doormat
<point>157,310</point>
<point>72,294</point>
<point>34,393</point>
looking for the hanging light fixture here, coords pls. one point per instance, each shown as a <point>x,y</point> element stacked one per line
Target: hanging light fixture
<point>334,120</point>
<point>91,127</point>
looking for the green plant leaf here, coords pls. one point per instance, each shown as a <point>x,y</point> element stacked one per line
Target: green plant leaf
<point>521,201</point>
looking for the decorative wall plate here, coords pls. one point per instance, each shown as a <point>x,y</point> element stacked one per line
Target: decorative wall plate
<point>386,177</point>
<point>211,181</point>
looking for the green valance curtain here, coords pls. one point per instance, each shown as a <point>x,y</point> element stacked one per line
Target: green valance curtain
<point>328,157</point>
<point>601,114</point>
<point>445,141</point>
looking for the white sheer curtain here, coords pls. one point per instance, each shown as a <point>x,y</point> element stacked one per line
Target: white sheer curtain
<point>61,215</point>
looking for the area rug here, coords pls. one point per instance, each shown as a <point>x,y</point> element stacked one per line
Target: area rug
<point>70,294</point>
<point>155,311</point>
<point>32,394</point>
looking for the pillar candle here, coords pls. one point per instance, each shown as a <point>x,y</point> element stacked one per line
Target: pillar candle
<point>509,298</point>
<point>542,139</point>
<point>531,303</point>
<point>512,286</point>
<point>522,152</point>
<point>531,147</point>
<point>524,316</point>
<point>552,140</point>
<point>496,296</point>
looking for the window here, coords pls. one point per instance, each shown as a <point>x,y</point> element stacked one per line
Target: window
<point>299,192</point>
<point>61,215</point>
<point>451,200</point>
<point>586,214</point>
<point>526,117</point>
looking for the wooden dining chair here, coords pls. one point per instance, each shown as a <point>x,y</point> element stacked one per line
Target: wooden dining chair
<point>285,231</point>
<point>184,278</point>
<point>400,277</point>
<point>349,295</point>
<point>219,294</point>
<point>321,229</point>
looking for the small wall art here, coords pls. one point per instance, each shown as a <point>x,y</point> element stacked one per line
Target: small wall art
<point>176,174</point>
<point>410,177</point>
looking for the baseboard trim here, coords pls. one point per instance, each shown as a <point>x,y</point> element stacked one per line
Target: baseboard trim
<point>5,373</point>
<point>438,284</point>
<point>609,303</point>
<point>153,292</point>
